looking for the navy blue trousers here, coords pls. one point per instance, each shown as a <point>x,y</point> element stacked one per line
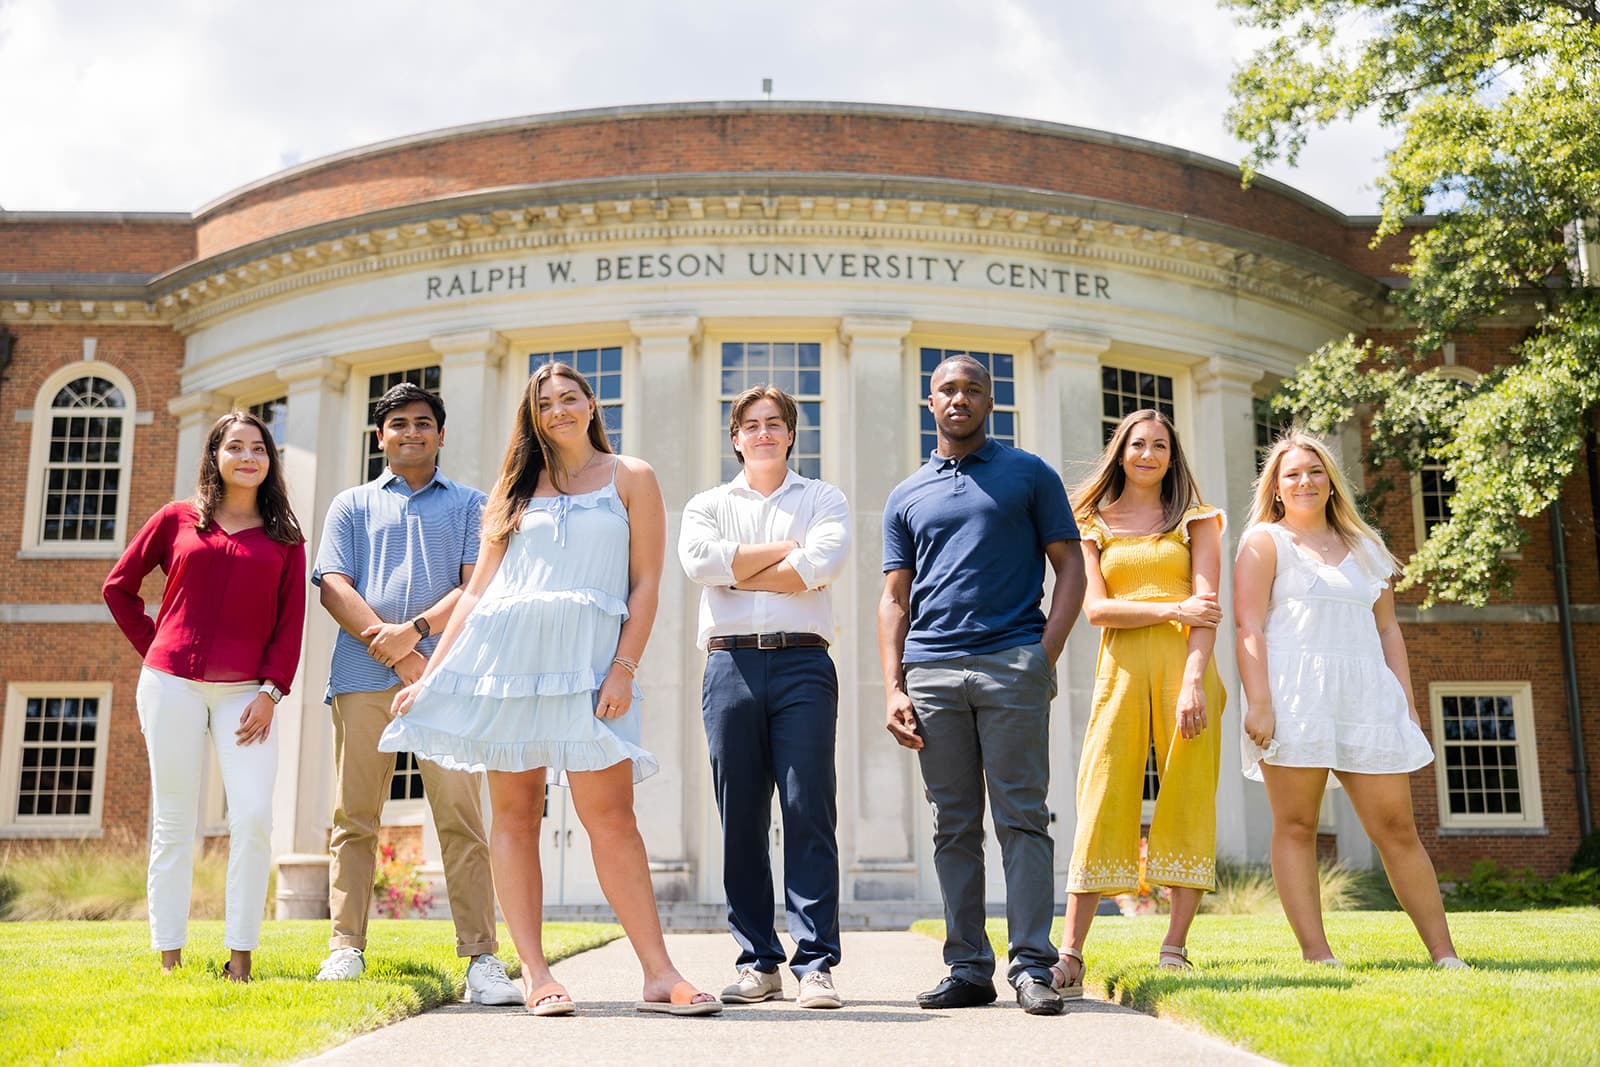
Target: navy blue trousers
<point>771,719</point>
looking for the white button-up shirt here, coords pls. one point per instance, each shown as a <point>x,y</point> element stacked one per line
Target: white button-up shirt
<point>717,521</point>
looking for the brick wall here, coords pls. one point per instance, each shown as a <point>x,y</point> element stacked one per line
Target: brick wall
<point>81,245</point>
<point>910,147</point>
<point>87,652</point>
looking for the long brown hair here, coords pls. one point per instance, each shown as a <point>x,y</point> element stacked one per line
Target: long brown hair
<point>1358,535</point>
<point>272,498</point>
<point>529,453</point>
<point>1107,480</point>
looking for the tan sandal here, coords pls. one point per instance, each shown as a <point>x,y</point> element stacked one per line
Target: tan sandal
<point>550,999</point>
<point>1180,952</point>
<point>1069,990</point>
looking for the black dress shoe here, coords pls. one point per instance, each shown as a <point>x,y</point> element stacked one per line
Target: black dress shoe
<point>954,992</point>
<point>1038,998</point>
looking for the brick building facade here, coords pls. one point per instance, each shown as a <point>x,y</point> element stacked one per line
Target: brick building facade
<point>676,252</point>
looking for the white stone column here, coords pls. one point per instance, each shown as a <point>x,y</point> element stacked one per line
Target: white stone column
<point>1223,456</point>
<point>878,781</point>
<point>665,402</point>
<point>1069,438</point>
<point>470,374</point>
<point>195,413</point>
<point>314,452</point>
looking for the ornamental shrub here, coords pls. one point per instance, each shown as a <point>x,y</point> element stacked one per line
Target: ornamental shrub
<point>1491,887</point>
<point>399,890</point>
<point>1587,858</point>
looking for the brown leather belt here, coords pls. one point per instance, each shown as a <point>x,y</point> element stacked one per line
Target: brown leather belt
<point>766,642</point>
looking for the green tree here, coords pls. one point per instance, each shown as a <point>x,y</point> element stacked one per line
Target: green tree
<point>1496,104</point>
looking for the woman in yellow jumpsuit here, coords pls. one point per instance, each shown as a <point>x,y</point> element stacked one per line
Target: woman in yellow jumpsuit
<point>1153,557</point>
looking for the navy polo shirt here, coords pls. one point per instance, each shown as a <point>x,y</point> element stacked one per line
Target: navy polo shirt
<point>972,532</point>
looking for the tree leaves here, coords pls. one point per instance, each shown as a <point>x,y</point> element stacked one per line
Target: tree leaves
<point>1497,104</point>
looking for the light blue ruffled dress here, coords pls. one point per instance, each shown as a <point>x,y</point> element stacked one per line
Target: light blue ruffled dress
<point>517,689</point>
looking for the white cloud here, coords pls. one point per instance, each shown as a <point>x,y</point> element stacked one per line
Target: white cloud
<point>167,104</point>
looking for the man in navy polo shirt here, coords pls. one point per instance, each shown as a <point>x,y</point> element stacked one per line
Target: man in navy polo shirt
<point>395,555</point>
<point>969,665</point>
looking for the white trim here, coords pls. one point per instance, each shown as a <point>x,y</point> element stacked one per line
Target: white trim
<point>54,613</point>
<point>33,546</point>
<point>17,695</point>
<point>1521,694</point>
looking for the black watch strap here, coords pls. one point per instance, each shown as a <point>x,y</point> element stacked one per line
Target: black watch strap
<point>422,626</point>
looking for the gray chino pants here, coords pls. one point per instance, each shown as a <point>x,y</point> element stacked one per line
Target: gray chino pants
<point>985,720</point>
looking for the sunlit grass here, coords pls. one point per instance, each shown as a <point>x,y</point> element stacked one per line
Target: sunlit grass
<point>91,992</point>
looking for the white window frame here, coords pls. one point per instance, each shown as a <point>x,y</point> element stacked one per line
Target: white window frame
<point>408,812</point>
<point>13,825</point>
<point>1182,387</point>
<point>1521,694</point>
<point>834,385</point>
<point>33,545</point>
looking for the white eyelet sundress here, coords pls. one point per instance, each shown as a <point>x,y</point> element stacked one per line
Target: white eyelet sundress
<point>1336,702</point>
<point>518,688</point>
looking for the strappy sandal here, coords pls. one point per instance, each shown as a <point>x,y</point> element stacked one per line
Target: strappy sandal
<point>1180,952</point>
<point>1072,990</point>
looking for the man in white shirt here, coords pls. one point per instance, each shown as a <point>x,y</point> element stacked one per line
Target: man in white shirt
<point>765,546</point>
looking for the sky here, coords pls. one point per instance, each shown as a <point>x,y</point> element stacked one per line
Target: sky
<point>165,105</point>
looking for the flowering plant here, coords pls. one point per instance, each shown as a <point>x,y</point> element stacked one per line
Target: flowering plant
<point>1147,899</point>
<point>399,888</point>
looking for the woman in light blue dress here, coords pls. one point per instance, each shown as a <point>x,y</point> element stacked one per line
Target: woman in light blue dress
<point>534,673</point>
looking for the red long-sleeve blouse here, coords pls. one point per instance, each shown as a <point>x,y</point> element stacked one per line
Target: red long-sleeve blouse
<point>234,606</point>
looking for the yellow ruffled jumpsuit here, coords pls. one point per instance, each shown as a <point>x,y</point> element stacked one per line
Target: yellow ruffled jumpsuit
<point>1137,683</point>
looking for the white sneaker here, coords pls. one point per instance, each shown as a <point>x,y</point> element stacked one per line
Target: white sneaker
<point>754,986</point>
<point>816,991</point>
<point>487,983</point>
<point>342,964</point>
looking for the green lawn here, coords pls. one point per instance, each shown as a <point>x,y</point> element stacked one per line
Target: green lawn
<point>92,993</point>
<point>1534,997</point>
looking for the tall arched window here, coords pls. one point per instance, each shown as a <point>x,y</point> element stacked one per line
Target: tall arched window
<point>83,471</point>
<point>82,443</point>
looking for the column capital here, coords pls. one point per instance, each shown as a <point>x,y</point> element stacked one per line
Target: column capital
<point>318,371</point>
<point>853,328</point>
<point>1225,375</point>
<point>1070,346</point>
<point>665,327</point>
<point>191,408</point>
<point>484,344</point>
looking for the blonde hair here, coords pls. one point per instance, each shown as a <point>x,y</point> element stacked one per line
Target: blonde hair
<point>1358,535</point>
<point>1107,480</point>
<point>529,452</point>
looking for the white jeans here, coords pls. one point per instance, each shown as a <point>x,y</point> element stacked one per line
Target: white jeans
<point>176,714</point>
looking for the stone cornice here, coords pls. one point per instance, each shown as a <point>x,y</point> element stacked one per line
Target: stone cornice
<point>743,207</point>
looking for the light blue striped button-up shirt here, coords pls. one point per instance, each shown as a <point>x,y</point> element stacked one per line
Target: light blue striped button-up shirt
<point>403,552</point>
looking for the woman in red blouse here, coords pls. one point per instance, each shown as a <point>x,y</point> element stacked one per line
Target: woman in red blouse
<point>217,659</point>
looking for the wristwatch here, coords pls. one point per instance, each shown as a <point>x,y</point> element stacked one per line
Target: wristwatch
<point>421,623</point>
<point>273,692</point>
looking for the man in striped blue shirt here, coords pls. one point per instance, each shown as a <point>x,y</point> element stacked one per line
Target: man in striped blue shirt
<point>395,555</point>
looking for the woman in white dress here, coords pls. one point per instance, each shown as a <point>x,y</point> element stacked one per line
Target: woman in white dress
<point>1328,688</point>
<point>534,673</point>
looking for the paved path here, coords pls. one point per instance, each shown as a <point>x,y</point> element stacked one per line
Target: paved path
<point>880,1022</point>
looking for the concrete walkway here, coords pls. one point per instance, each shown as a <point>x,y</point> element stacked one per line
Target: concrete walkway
<point>880,1022</point>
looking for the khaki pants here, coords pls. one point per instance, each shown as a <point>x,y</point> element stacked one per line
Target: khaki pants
<point>362,786</point>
